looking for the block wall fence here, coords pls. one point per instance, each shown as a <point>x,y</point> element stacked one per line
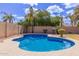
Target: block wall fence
<point>9,29</point>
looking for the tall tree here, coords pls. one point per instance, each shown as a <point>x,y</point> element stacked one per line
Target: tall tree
<point>43,17</point>
<point>31,18</point>
<point>56,20</point>
<point>72,19</point>
<point>75,16</point>
<point>8,18</point>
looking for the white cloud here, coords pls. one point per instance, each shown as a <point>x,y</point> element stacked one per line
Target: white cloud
<point>70,12</point>
<point>27,10</point>
<point>67,4</point>
<point>32,4</point>
<point>20,17</point>
<point>67,21</point>
<point>70,5</point>
<point>14,15</point>
<point>53,15</point>
<point>54,8</point>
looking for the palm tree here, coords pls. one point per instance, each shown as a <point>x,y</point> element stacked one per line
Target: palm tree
<point>8,18</point>
<point>30,18</point>
<point>76,10</point>
<point>72,20</point>
<point>75,16</point>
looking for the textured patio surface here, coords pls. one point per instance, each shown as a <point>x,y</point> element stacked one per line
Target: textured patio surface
<point>73,36</point>
<point>10,48</point>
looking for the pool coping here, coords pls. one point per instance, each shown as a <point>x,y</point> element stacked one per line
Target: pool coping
<point>16,51</point>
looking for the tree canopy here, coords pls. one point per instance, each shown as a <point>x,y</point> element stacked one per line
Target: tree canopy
<point>41,18</point>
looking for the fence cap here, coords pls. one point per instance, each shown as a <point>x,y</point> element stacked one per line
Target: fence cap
<point>54,28</point>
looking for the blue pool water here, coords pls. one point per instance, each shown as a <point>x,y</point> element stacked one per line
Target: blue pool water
<point>43,43</point>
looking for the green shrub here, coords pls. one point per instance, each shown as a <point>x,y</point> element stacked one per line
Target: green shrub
<point>78,24</point>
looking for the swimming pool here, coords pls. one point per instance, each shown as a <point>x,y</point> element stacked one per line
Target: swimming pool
<point>43,43</point>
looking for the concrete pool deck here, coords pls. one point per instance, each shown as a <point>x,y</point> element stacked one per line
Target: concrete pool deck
<point>10,48</point>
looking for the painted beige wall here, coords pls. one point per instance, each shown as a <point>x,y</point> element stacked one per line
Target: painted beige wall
<point>70,29</point>
<point>2,30</point>
<point>12,29</point>
<point>39,29</point>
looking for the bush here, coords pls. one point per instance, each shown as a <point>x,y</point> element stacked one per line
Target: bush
<point>78,24</point>
<point>45,30</point>
<point>61,31</point>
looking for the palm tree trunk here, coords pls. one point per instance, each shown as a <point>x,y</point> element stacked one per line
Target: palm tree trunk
<point>32,26</point>
<point>5,29</point>
<point>18,30</point>
<point>72,27</point>
<point>72,23</point>
<point>61,23</point>
<point>32,29</point>
<point>61,35</point>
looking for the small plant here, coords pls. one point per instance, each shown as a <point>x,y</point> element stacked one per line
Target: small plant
<point>78,24</point>
<point>45,30</point>
<point>61,31</point>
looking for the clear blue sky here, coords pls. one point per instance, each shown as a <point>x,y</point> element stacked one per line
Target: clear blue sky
<point>20,9</point>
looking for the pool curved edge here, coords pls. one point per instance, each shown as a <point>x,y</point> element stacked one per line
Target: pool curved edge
<point>60,40</point>
<point>73,51</point>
